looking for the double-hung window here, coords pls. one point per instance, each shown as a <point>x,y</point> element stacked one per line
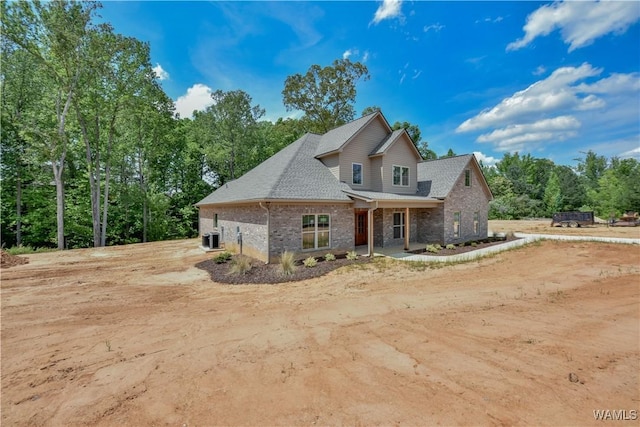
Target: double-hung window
<point>467,178</point>
<point>316,231</point>
<point>401,176</point>
<point>356,170</point>
<point>398,225</point>
<point>456,224</point>
<point>476,222</point>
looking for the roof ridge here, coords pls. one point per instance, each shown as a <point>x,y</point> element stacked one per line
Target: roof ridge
<point>446,158</point>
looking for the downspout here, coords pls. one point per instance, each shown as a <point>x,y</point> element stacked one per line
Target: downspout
<point>268,230</point>
<point>370,230</point>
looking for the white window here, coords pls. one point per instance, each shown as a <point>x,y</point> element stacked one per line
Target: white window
<point>398,225</point>
<point>356,171</point>
<point>476,222</point>
<point>456,224</point>
<point>316,231</point>
<point>401,176</point>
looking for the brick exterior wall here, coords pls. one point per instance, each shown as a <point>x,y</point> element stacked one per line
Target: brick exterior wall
<point>431,222</point>
<point>466,200</point>
<point>286,228</point>
<point>285,225</point>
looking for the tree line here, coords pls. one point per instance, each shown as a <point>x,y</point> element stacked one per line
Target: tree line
<point>93,153</point>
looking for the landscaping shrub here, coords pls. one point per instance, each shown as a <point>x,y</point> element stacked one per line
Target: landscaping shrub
<point>329,257</point>
<point>310,262</point>
<point>352,255</point>
<point>451,246</point>
<point>240,265</point>
<point>287,263</point>
<point>434,249</point>
<point>222,257</point>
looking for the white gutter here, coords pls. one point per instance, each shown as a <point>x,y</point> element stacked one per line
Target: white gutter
<point>268,230</point>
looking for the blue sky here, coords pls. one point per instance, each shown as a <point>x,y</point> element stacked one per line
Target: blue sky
<point>553,79</point>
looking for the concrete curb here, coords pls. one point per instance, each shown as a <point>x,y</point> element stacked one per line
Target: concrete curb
<point>524,239</point>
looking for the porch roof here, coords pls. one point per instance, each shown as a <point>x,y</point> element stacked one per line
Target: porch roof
<point>392,200</point>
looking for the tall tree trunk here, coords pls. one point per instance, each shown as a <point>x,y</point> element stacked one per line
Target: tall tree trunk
<point>57,176</point>
<point>94,183</point>
<point>107,177</point>
<point>18,207</point>
<point>58,164</point>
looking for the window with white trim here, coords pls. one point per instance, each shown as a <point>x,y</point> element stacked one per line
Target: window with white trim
<point>356,173</point>
<point>316,231</point>
<point>476,222</point>
<point>401,176</point>
<point>398,225</point>
<point>215,220</point>
<point>456,224</point>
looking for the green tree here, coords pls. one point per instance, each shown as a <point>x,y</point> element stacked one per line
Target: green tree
<point>229,131</point>
<point>552,195</point>
<point>54,34</point>
<point>325,94</point>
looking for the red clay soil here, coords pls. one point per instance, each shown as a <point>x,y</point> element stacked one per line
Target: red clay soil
<point>7,260</point>
<point>138,336</point>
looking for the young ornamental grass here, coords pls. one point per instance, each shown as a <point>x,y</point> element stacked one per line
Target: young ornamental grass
<point>352,255</point>
<point>287,263</point>
<point>240,265</point>
<point>329,257</point>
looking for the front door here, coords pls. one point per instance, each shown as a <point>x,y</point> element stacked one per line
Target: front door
<point>362,230</point>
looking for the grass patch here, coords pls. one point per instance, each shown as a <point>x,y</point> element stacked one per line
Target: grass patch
<point>27,249</point>
<point>240,265</point>
<point>287,263</point>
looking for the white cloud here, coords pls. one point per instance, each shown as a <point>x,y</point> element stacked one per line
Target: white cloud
<point>365,56</point>
<point>633,153</point>
<point>579,22</point>
<point>540,70</point>
<point>563,106</point>
<point>486,160</point>
<point>347,53</point>
<point>387,10</point>
<point>553,93</point>
<point>514,137</point>
<point>198,97</point>
<point>435,27</point>
<point>161,74</point>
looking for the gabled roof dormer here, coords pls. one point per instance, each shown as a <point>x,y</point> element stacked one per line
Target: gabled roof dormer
<point>336,139</point>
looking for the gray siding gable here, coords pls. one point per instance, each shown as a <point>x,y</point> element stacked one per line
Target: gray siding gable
<point>336,138</point>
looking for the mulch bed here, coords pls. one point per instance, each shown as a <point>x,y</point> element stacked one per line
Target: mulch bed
<point>468,246</point>
<point>7,260</point>
<point>262,273</point>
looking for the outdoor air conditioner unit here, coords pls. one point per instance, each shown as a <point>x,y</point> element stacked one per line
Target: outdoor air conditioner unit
<point>214,240</point>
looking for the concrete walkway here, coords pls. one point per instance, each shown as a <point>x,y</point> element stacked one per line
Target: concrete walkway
<point>524,239</point>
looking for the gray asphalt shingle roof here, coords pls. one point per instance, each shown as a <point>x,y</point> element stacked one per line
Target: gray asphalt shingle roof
<point>387,142</point>
<point>436,178</point>
<point>291,174</point>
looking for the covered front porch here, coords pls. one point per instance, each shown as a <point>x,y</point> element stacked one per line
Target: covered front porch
<point>396,251</point>
<point>387,223</point>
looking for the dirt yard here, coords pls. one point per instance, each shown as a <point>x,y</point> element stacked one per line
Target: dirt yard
<point>137,336</point>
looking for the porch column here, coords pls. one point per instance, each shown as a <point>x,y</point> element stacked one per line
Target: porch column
<point>370,231</point>
<point>407,230</point>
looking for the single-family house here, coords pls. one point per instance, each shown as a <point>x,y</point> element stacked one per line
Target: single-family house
<point>359,184</point>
